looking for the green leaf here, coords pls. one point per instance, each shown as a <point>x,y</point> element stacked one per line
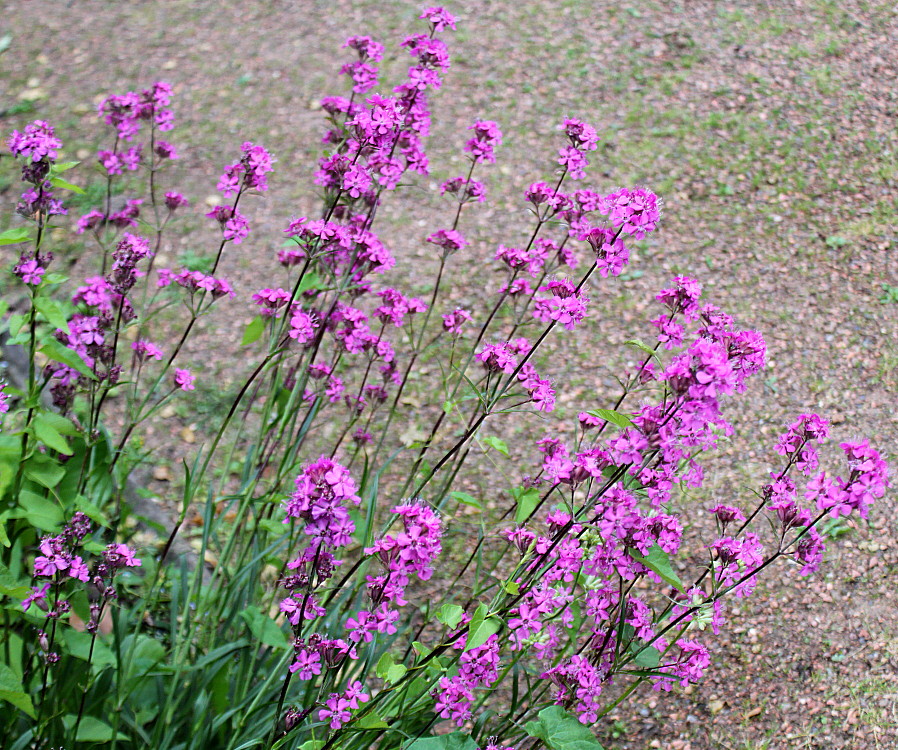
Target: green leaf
<point>14,323</point>
<point>561,731</point>
<point>92,729</point>
<point>60,423</point>
<point>60,353</point>
<point>450,615</point>
<point>644,656</point>
<point>309,281</point>
<point>481,627</point>
<point>12,586</point>
<point>658,561</point>
<point>62,184</point>
<point>78,645</point>
<point>312,745</point>
<point>253,331</point>
<point>49,435</point>
<point>44,469</point>
<point>453,741</point>
<point>496,443</point>
<point>4,537</point>
<point>615,417</point>
<point>11,691</point>
<point>51,310</point>
<point>371,721</point>
<point>92,511</point>
<point>527,498</point>
<point>387,669</point>
<point>40,511</point>
<point>464,497</point>
<point>14,236</point>
<point>273,527</point>
<point>512,587</point>
<point>264,628</point>
<point>642,347</point>
<point>62,166</point>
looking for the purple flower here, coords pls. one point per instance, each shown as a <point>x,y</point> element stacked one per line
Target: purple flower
<point>486,137</point>
<point>184,380</point>
<point>439,17</point>
<point>636,211</point>
<point>37,594</point>
<point>575,161</point>
<point>30,272</point>
<point>89,221</point>
<point>165,150</point>
<point>453,321</point>
<point>36,142</point>
<point>567,305</point>
<point>450,240</point>
<point>174,201</point>
<point>144,350</point>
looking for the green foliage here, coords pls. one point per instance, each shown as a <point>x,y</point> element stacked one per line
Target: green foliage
<point>561,731</point>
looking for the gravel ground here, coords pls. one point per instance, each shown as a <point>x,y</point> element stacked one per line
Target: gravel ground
<point>768,128</point>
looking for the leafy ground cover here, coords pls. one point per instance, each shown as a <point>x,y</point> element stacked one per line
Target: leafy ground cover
<point>770,132</point>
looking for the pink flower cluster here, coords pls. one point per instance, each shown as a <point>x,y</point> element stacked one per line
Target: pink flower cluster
<point>37,142</point>
<point>194,281</point>
<point>61,560</point>
<point>249,173</point>
<point>567,305</point>
<point>482,146</point>
<point>124,112</point>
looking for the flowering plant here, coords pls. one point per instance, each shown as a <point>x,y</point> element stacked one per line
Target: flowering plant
<point>300,631</point>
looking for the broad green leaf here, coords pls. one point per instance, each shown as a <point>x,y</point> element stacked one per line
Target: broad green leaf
<point>14,236</point>
<point>40,511</point>
<point>658,561</point>
<point>615,417</point>
<point>453,741</point>
<point>371,721</point>
<point>481,627</point>
<point>264,628</point>
<point>60,353</point>
<point>527,498</point>
<point>464,497</point>
<point>644,656</point>
<point>91,729</point>
<point>312,745</point>
<point>51,310</point>
<point>62,166</point>
<point>92,511</point>
<point>450,615</point>
<point>11,691</point>
<point>253,331</point>
<point>44,470</point>
<point>276,528</point>
<point>496,443</point>
<point>309,281</point>
<point>62,184</point>
<point>560,731</point>
<point>14,323</point>
<point>78,645</point>
<point>10,585</point>
<point>387,669</point>
<point>512,587</point>
<point>60,423</point>
<point>49,435</point>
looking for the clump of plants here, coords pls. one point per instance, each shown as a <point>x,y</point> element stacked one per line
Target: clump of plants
<point>333,617</point>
